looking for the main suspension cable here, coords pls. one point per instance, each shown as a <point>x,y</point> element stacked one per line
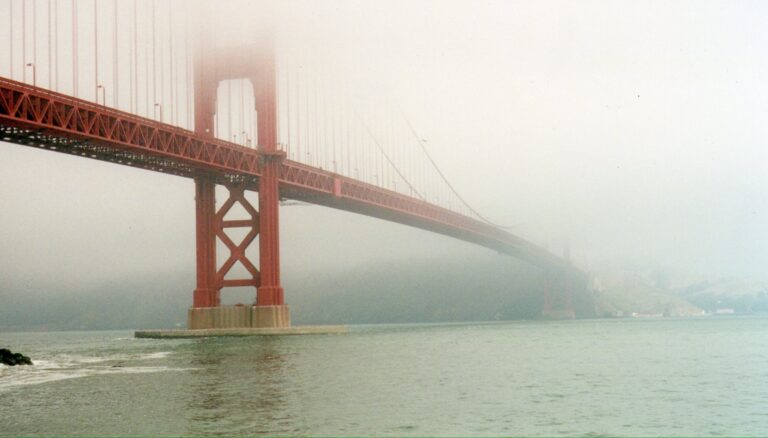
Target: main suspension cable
<point>443,177</point>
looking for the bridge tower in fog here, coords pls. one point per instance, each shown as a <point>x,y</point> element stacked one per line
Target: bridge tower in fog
<point>213,64</point>
<point>559,284</point>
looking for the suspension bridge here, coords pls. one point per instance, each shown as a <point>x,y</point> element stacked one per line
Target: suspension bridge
<point>135,83</point>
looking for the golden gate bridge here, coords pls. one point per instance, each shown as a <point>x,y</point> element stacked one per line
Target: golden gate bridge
<point>139,83</point>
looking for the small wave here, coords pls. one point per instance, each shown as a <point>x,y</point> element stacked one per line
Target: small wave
<point>158,355</point>
<point>46,364</point>
<point>66,361</point>
<point>35,378</point>
<point>138,370</point>
<point>32,376</point>
<point>87,359</point>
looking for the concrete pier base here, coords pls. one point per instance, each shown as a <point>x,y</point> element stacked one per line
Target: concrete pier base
<point>243,331</point>
<point>239,316</point>
<point>270,317</point>
<point>240,320</point>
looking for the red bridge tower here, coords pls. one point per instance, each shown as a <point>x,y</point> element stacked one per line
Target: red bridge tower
<point>257,64</point>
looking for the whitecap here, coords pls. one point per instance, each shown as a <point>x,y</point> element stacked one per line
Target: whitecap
<point>32,376</point>
<point>158,355</point>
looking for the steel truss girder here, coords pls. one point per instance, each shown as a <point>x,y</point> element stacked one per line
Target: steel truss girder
<point>237,251</point>
<point>40,118</point>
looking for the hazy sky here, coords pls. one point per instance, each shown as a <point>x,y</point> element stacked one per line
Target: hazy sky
<point>633,130</point>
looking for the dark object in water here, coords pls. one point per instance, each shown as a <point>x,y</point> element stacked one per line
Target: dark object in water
<point>12,359</point>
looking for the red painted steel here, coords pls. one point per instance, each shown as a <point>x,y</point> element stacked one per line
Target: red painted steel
<point>270,292</point>
<point>211,224</point>
<point>237,251</point>
<point>256,63</point>
<point>207,292</point>
<point>40,118</point>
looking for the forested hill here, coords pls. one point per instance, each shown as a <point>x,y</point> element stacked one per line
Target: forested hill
<point>494,288</point>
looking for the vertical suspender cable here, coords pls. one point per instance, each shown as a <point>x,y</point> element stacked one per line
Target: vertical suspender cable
<point>374,122</point>
<point>382,130</point>
<point>379,132</point>
<point>298,114</point>
<point>377,162</point>
<point>171,81</point>
<point>134,92</point>
<point>34,41</point>
<point>161,75</point>
<point>146,73</point>
<point>307,143</point>
<point>315,148</point>
<point>96,49</point>
<point>369,157</point>
<point>56,44</point>
<point>250,112</point>
<point>154,60</point>
<point>359,142</point>
<point>327,141</point>
<point>340,108</point>
<point>342,137</point>
<point>229,107</point>
<point>387,170</point>
<point>350,143</point>
<point>393,144</point>
<point>115,58</point>
<point>24,40</point>
<point>342,128</point>
<point>10,39</point>
<point>50,41</point>
<point>187,86</point>
<point>390,144</point>
<point>276,84</point>
<point>374,154</point>
<point>242,111</point>
<point>331,109</point>
<point>74,48</point>
<point>287,75</point>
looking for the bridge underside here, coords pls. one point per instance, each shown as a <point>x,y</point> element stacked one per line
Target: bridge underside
<point>88,148</point>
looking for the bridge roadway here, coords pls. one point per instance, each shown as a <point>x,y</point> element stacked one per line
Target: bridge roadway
<point>33,116</point>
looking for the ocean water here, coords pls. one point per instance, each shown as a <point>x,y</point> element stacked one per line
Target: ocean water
<point>706,377</point>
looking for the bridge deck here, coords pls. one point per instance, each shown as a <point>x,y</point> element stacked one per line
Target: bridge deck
<point>40,118</point>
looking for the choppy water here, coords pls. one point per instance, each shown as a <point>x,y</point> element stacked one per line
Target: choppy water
<point>704,376</point>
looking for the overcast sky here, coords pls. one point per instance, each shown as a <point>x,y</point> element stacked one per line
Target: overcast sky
<point>633,130</point>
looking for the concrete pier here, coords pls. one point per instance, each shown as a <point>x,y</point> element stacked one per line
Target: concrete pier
<point>240,320</point>
<point>206,333</point>
<point>238,316</point>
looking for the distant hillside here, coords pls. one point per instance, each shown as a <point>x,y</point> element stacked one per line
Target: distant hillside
<point>427,291</point>
<point>494,288</point>
<point>728,293</point>
<point>624,293</point>
<point>158,300</point>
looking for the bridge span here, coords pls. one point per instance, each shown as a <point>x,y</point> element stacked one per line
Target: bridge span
<point>40,117</point>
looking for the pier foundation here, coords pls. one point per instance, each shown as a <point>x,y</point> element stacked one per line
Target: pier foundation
<point>238,316</point>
